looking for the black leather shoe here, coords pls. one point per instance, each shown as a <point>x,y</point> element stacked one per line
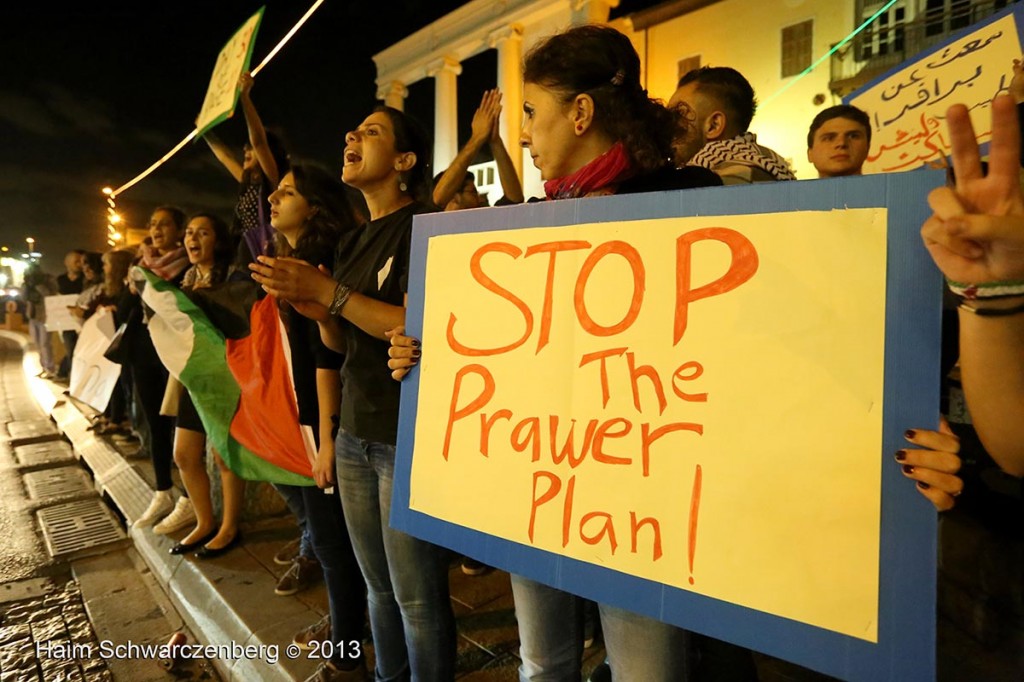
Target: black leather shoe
<point>186,547</point>
<point>205,552</point>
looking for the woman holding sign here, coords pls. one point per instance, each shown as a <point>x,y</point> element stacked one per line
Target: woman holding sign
<point>592,130</point>
<point>387,160</point>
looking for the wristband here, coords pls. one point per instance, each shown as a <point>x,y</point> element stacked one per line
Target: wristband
<point>992,312</point>
<point>341,294</point>
<point>987,290</point>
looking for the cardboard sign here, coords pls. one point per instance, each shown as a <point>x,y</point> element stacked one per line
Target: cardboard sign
<point>908,105</point>
<point>232,62</point>
<point>685,404</point>
<point>58,318</point>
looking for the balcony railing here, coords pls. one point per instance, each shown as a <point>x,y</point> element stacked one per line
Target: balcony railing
<point>878,48</point>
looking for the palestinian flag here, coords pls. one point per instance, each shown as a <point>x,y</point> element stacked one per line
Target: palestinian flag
<point>227,346</point>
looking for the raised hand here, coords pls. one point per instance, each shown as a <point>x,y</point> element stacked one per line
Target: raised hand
<point>976,234</point>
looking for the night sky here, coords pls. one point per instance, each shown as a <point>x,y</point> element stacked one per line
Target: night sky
<point>91,96</point>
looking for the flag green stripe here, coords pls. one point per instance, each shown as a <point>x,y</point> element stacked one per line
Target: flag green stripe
<point>206,374</point>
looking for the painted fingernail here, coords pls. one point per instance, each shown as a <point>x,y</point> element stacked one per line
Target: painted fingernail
<point>907,469</point>
<point>901,455</point>
<point>416,342</point>
<point>909,434</point>
<point>415,353</point>
<point>922,485</point>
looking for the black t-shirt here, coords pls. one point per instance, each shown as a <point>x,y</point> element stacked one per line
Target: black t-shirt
<point>66,285</point>
<point>374,261</point>
<point>308,355</point>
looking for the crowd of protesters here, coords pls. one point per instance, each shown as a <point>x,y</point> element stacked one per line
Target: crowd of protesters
<point>338,270</point>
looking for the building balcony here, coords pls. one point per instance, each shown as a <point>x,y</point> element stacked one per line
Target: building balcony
<point>882,46</point>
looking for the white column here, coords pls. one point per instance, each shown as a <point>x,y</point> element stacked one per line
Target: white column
<point>592,11</point>
<point>509,43</point>
<point>445,72</point>
<point>393,94</point>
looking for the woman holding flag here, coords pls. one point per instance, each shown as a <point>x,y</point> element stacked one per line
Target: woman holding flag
<point>209,248</point>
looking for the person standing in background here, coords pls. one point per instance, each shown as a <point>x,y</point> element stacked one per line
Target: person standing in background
<point>69,282</point>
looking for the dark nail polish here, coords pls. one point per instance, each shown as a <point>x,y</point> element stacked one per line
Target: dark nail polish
<point>415,353</point>
<point>922,485</point>
<point>416,343</point>
<point>907,469</point>
<point>901,455</point>
<point>909,434</point>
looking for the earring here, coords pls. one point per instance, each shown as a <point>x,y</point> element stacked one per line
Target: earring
<point>402,187</point>
<point>579,127</point>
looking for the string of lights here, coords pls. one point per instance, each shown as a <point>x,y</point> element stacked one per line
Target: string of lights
<point>114,233</point>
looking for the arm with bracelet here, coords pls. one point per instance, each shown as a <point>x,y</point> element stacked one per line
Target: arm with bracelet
<point>976,237</point>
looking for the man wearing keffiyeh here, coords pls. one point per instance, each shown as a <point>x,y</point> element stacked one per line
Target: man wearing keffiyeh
<point>720,104</point>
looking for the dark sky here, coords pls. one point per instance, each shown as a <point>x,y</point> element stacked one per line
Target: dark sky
<point>92,95</point>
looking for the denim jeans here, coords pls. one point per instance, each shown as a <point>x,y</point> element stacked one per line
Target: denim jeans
<point>407,579</point>
<point>292,495</point>
<point>640,649</point>
<point>346,591</point>
<point>41,337</point>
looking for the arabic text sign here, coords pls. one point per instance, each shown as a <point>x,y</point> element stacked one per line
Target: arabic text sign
<point>58,319</point>
<point>233,60</point>
<point>584,382</point>
<point>908,108</point>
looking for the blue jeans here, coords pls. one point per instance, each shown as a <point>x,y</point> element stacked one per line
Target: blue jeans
<point>292,495</point>
<point>406,578</point>
<point>346,592</point>
<point>640,649</point>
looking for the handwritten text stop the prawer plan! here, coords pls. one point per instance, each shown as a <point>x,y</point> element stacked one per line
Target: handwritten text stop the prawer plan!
<point>475,412</point>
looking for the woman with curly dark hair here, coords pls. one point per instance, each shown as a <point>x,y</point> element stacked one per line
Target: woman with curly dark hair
<point>590,126</point>
<point>591,130</point>
<point>387,160</point>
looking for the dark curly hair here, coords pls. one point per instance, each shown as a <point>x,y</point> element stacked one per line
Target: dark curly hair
<point>601,62</point>
<point>333,218</point>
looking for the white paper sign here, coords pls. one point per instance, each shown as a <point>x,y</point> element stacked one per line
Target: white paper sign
<point>93,377</point>
<point>58,318</point>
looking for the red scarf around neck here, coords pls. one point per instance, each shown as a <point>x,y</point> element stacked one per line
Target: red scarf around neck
<point>611,167</point>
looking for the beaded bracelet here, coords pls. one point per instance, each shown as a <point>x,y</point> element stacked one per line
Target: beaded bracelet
<point>987,290</point>
<point>341,294</point>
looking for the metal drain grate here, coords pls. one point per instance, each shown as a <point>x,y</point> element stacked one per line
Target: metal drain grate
<point>42,454</point>
<point>55,483</point>
<point>79,528</point>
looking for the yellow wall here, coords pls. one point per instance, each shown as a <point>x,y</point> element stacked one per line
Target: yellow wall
<point>747,35</point>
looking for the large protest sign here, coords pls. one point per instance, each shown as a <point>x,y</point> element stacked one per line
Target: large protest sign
<point>93,377</point>
<point>232,62</point>
<point>58,317</point>
<point>907,105</point>
<point>685,404</point>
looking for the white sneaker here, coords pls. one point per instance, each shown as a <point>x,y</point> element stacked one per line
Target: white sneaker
<point>161,504</point>
<point>182,516</point>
